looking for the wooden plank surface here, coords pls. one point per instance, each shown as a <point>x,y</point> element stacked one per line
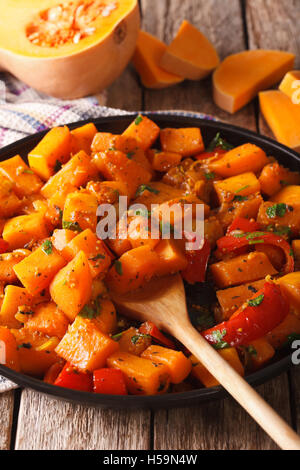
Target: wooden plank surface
<point>48,424</point>
<point>6,414</point>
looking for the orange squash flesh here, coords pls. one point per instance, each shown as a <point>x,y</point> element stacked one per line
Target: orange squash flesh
<point>190,55</point>
<point>85,346</point>
<point>143,130</point>
<point>241,76</point>
<point>290,85</point>
<point>187,141</point>
<point>9,354</point>
<point>21,230</point>
<point>148,53</point>
<point>25,181</point>
<point>241,185</point>
<point>71,288</point>
<point>82,66</point>
<point>178,365</point>
<point>142,376</point>
<point>82,138</point>
<point>261,352</point>
<point>48,320</point>
<point>282,116</point>
<point>279,336</point>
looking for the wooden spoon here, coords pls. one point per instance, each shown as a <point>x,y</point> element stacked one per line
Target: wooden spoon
<point>163,302</point>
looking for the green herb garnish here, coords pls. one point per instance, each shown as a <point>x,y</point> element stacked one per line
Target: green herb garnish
<point>240,198</point>
<point>118,267</point>
<point>145,187</point>
<point>135,338</point>
<point>209,176</point>
<point>28,171</point>
<point>218,141</point>
<point>71,226</point>
<point>130,155</point>
<point>218,337</point>
<point>251,350</point>
<point>138,120</point>
<point>95,258</point>
<point>277,210</point>
<point>25,346</point>
<point>257,301</point>
<point>47,247</point>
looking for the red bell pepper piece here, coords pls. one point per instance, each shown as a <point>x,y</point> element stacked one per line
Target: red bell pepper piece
<point>4,246</point>
<point>216,152</point>
<point>52,373</point>
<point>265,310</point>
<point>148,328</point>
<point>109,382</point>
<point>233,242</point>
<point>72,378</point>
<point>245,225</point>
<point>197,264</point>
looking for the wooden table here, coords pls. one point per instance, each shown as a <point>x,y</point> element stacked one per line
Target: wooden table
<point>29,420</point>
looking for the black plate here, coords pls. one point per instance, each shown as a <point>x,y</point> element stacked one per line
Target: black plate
<point>235,136</point>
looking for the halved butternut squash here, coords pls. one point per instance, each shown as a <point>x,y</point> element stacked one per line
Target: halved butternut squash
<point>290,86</point>
<point>241,76</point>
<point>190,55</point>
<point>92,43</point>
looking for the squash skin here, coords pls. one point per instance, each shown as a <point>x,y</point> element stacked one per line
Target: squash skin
<point>79,73</point>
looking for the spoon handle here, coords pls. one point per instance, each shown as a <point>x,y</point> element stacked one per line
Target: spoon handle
<point>243,393</point>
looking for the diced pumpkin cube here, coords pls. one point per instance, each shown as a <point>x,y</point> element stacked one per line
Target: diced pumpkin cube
<point>274,176</point>
<point>133,269</point>
<point>296,250</point>
<point>242,159</point>
<point>133,342</point>
<point>144,131</point>
<point>119,246</point>
<point>54,147</point>
<point>9,355</point>
<point>7,263</point>
<point>204,376</point>
<point>76,172</point>
<point>95,250</point>
<point>260,352</point>
<point>37,270</point>
<point>71,288</point>
<point>280,335</point>
<point>288,195</point>
<point>36,352</point>
<point>186,141</point>
<point>142,376</point>
<point>107,318</point>
<point>177,364</point>
<point>290,286</point>
<point>82,138</point>
<point>25,181</point>
<point>48,320</point>
<point>61,237</point>
<point>171,258</point>
<point>9,201</point>
<point>104,141</point>
<point>80,210</point>
<point>24,229</point>
<point>14,297</point>
<point>288,217</point>
<point>247,208</point>
<point>237,187</point>
<point>232,298</point>
<point>85,346</point>
<point>163,161</point>
<point>115,165</point>
<point>241,269</point>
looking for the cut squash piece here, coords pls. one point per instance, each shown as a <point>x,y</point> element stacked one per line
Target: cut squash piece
<point>76,48</point>
<point>25,181</point>
<point>143,131</point>
<point>148,53</point>
<point>187,141</point>
<point>290,86</point>
<point>241,76</point>
<point>282,116</point>
<point>14,298</point>
<point>82,138</point>
<point>25,229</point>
<point>190,55</point>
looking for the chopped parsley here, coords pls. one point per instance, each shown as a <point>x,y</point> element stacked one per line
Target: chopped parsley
<point>138,120</point>
<point>136,338</point>
<point>91,311</point>
<point>257,301</point>
<point>218,338</point>
<point>251,350</point>
<point>71,226</point>
<point>95,258</point>
<point>281,231</point>
<point>209,176</point>
<point>238,198</point>
<point>218,141</point>
<point>47,247</point>
<point>145,187</point>
<point>25,346</point>
<point>277,210</point>
<point>130,155</point>
<point>242,189</point>
<point>28,171</point>
<point>118,267</point>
